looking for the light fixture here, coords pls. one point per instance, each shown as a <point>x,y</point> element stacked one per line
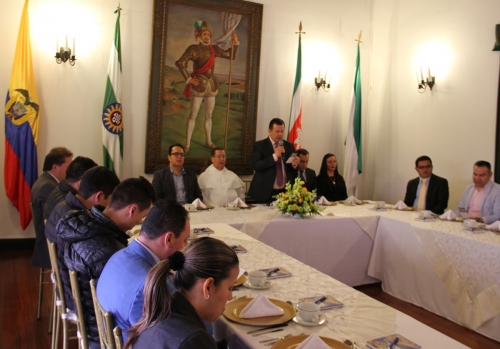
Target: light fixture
<point>65,53</point>
<point>319,81</point>
<point>428,82</point>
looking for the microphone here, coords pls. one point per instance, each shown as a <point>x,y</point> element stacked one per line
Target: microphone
<point>280,143</point>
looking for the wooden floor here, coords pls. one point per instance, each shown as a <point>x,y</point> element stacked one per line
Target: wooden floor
<point>20,330</point>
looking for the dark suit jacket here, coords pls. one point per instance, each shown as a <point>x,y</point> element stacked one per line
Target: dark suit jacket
<point>40,191</point>
<point>311,181</point>
<point>437,194</point>
<point>329,191</point>
<point>164,185</point>
<point>265,169</point>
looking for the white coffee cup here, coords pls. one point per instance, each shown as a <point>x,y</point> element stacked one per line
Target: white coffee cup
<point>425,214</point>
<point>470,223</point>
<point>380,204</point>
<point>309,311</point>
<point>257,278</point>
<point>231,205</point>
<point>189,207</point>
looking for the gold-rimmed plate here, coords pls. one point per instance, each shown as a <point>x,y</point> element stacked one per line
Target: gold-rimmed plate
<point>240,280</point>
<point>234,308</point>
<point>293,342</point>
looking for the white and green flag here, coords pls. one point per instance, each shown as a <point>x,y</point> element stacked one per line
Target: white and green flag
<point>353,155</point>
<point>112,118</point>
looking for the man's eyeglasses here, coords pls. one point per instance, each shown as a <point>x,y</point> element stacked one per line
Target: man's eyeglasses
<point>178,154</point>
<point>424,167</point>
<point>220,156</point>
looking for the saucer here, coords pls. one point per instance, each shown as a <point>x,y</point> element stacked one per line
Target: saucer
<point>249,285</point>
<point>322,320</point>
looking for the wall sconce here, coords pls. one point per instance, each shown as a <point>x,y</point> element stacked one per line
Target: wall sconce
<point>321,82</point>
<point>65,53</point>
<point>428,82</point>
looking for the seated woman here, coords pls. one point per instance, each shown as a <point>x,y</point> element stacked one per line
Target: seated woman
<point>204,278</point>
<point>331,184</point>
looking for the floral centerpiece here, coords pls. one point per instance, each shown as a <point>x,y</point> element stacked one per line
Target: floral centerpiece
<point>297,200</point>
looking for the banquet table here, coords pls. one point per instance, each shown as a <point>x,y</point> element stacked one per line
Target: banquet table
<point>434,264</point>
<point>360,319</point>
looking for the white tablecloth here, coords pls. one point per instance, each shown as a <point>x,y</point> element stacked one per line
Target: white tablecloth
<point>435,265</point>
<point>361,318</point>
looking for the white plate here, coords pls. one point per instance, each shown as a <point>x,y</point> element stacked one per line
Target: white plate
<point>322,320</point>
<point>266,285</point>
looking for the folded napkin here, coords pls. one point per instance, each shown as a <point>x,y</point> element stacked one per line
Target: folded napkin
<point>322,201</point>
<point>494,226</point>
<point>449,215</point>
<point>400,205</point>
<point>313,342</point>
<point>260,306</point>
<point>240,203</point>
<point>199,204</point>
<point>353,200</point>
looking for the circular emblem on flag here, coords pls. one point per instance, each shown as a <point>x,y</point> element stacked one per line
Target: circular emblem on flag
<point>112,118</point>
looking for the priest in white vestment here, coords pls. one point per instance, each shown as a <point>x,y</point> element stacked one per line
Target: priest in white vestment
<point>218,184</point>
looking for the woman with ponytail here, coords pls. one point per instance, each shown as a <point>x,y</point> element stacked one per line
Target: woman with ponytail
<point>204,276</point>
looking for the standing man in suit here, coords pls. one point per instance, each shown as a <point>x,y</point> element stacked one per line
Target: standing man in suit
<point>308,175</point>
<point>54,170</point>
<point>269,158</point>
<point>427,191</point>
<point>174,182</point>
<point>481,200</point>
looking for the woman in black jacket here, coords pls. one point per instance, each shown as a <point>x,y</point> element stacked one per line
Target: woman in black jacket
<point>331,184</point>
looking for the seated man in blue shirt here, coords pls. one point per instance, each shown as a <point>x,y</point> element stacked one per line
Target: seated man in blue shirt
<point>165,230</point>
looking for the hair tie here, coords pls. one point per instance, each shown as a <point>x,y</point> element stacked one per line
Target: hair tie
<point>176,260</point>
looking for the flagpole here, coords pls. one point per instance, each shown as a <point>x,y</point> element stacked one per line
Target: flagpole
<point>229,94</point>
<point>295,119</point>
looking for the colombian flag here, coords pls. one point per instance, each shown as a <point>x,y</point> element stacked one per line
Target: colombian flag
<point>21,126</point>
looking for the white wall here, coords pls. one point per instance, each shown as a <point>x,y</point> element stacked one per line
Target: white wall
<point>455,123</point>
<point>457,118</point>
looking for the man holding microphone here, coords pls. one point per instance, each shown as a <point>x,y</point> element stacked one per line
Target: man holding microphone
<point>269,159</point>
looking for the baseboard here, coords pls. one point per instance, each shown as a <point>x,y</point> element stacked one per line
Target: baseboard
<point>17,244</point>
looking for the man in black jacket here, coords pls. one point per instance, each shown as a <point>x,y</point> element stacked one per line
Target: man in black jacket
<point>269,159</point>
<point>174,182</point>
<point>95,188</point>
<point>74,174</point>
<point>92,236</point>
<point>305,173</point>
<point>427,191</point>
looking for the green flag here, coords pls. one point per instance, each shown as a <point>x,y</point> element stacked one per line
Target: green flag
<point>353,156</point>
<point>112,119</point>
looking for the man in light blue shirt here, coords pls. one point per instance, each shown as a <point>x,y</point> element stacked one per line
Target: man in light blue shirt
<point>165,230</point>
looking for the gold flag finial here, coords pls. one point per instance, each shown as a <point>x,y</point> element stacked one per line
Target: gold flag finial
<point>300,29</point>
<point>359,37</point>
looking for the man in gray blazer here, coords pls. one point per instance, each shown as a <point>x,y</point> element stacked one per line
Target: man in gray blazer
<point>54,170</point>
<point>174,182</point>
<point>481,200</point>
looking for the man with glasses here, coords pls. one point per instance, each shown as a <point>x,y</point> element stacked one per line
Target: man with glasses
<point>427,191</point>
<point>218,184</point>
<point>174,182</point>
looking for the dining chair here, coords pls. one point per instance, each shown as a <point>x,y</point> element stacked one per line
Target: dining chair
<point>75,289</point>
<point>60,312</point>
<point>110,338</point>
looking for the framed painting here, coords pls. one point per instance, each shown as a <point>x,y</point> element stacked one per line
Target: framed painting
<point>204,81</point>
